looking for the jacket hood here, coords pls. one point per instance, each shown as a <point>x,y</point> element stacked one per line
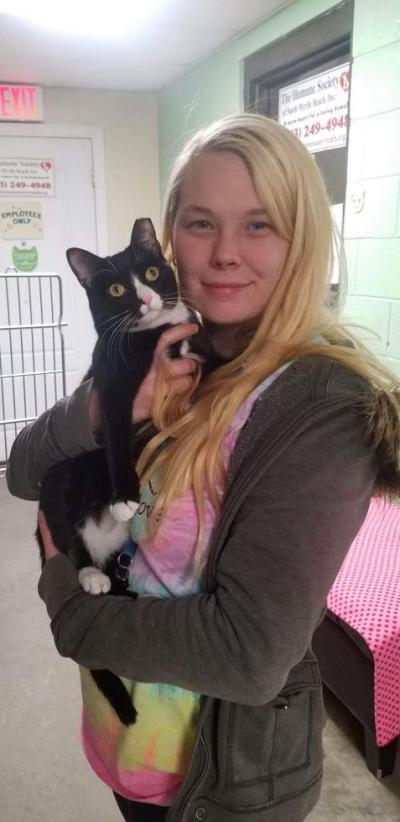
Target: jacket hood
<point>381,417</point>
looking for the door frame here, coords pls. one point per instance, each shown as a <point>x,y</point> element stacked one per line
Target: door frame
<point>93,133</point>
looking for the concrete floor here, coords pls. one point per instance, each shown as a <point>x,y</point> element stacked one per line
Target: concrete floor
<point>43,774</point>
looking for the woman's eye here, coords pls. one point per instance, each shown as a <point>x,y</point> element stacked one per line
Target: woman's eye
<point>200,224</point>
<point>259,225</point>
<point>151,274</point>
<point>116,290</point>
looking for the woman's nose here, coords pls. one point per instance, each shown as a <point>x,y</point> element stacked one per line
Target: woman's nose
<point>225,251</point>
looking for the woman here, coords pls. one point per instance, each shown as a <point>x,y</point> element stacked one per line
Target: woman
<point>250,506</point>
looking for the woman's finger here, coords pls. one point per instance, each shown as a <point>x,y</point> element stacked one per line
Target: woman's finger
<point>176,368</point>
<point>50,549</point>
<point>182,384</point>
<point>181,365</point>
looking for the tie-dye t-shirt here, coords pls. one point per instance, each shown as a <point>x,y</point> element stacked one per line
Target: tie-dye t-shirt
<point>148,760</point>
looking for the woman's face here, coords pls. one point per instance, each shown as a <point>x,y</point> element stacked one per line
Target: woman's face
<point>228,256</point>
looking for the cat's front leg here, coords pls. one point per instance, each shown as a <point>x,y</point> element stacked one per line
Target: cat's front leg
<point>117,424</point>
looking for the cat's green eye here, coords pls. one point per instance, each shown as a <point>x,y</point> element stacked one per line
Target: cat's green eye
<point>151,274</point>
<point>116,290</point>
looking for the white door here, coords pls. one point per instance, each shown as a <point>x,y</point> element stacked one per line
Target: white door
<point>69,219</point>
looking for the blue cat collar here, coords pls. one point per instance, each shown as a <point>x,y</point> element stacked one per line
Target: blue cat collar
<point>127,553</point>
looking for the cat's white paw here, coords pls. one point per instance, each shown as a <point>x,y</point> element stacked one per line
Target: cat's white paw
<point>124,511</point>
<point>185,351</point>
<point>94,581</point>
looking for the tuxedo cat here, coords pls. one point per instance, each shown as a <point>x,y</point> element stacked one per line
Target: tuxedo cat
<point>88,500</point>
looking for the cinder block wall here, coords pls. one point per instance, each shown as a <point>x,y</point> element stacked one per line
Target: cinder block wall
<point>372,209</point>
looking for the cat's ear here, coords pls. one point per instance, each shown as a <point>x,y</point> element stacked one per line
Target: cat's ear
<point>143,232</point>
<point>83,264</point>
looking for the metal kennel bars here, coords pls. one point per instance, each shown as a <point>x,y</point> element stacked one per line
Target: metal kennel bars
<point>32,358</point>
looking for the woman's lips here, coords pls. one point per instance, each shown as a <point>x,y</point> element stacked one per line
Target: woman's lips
<point>224,289</point>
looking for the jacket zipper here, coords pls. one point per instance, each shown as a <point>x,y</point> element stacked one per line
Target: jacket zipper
<point>194,785</point>
<point>182,802</point>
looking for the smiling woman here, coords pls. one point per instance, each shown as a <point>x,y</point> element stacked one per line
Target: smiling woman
<point>250,497</point>
<point>230,257</point>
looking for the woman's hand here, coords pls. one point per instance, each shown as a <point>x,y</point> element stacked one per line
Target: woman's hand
<point>50,549</point>
<point>180,370</point>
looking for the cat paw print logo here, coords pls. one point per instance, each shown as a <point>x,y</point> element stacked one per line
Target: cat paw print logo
<point>46,165</point>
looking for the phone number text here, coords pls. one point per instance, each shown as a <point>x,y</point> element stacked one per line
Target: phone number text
<point>315,128</point>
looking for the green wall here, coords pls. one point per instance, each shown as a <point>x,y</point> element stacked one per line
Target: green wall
<point>373,177</point>
<point>213,89</point>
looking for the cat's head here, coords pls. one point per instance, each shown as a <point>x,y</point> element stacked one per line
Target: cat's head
<point>135,289</point>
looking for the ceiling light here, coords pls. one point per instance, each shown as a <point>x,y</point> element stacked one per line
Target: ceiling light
<point>85,17</point>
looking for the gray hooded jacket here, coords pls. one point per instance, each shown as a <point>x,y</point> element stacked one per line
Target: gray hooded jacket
<point>298,488</point>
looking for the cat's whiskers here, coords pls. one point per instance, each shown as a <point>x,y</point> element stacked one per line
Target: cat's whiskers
<point>110,321</point>
<point>186,300</point>
<point>172,300</point>
<point>115,347</point>
<point>124,331</point>
<point>169,299</point>
<point>133,320</point>
<point>110,345</point>
<point>114,339</point>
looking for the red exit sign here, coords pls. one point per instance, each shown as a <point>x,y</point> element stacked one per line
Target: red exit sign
<point>21,102</point>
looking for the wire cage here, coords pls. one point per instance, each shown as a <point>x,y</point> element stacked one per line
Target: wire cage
<point>32,356</point>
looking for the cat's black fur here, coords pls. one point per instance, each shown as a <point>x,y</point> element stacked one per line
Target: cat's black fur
<point>76,493</point>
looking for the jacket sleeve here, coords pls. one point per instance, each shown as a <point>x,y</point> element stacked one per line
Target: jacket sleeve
<point>62,431</point>
<point>283,552</point>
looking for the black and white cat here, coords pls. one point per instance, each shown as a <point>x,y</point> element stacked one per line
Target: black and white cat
<point>88,500</point>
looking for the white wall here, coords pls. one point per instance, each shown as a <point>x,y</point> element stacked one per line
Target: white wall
<point>130,126</point>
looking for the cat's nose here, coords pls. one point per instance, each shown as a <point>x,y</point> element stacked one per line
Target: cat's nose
<point>146,298</point>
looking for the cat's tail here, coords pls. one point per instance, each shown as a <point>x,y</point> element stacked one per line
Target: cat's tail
<point>112,687</point>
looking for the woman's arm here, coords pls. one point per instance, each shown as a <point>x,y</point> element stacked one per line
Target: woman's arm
<point>66,430</point>
<point>63,431</point>
<point>283,553</point>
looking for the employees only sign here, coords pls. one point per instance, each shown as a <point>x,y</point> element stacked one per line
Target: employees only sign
<point>21,220</point>
<point>316,109</point>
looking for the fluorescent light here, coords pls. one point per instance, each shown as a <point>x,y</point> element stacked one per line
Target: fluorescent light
<point>84,17</point>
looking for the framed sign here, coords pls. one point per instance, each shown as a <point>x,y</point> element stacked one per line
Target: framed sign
<point>316,109</point>
<point>25,175</point>
<point>21,220</point>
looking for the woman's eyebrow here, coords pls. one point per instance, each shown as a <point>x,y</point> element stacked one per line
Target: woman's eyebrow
<point>251,212</point>
<point>198,209</point>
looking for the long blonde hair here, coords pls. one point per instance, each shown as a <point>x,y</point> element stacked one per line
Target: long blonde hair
<point>289,184</point>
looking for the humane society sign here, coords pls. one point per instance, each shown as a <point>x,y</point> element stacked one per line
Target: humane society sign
<point>316,109</point>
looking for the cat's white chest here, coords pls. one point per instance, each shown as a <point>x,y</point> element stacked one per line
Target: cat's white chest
<point>104,537</point>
